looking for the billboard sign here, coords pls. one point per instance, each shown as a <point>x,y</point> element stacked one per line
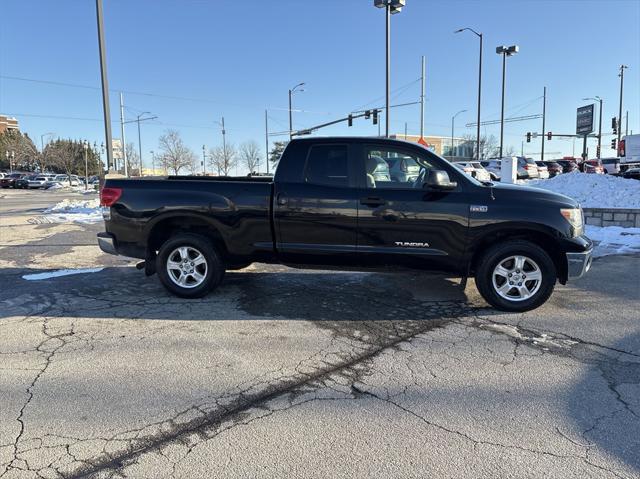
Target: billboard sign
<point>584,120</point>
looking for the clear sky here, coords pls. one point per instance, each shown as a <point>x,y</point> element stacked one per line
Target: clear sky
<point>236,58</point>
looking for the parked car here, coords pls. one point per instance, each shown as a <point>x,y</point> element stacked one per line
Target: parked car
<point>493,167</point>
<point>38,182</point>
<point>529,166</point>
<point>632,173</point>
<point>74,180</point>
<point>592,166</point>
<point>378,168</point>
<point>543,170</point>
<point>23,183</point>
<point>320,210</point>
<point>479,173</point>
<point>467,169</point>
<point>568,166</point>
<point>62,180</point>
<point>403,169</point>
<point>9,181</point>
<point>611,165</point>
<point>553,167</point>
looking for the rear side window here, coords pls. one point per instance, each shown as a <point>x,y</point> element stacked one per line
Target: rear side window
<point>328,165</point>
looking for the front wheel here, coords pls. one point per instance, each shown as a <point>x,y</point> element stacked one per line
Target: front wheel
<point>516,276</point>
<point>188,265</point>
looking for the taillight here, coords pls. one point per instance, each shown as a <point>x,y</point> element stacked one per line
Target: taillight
<point>108,196</point>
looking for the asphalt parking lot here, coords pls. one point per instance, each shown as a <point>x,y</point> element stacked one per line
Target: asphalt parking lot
<point>290,373</point>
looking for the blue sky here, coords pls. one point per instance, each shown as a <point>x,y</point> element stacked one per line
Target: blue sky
<point>236,58</point>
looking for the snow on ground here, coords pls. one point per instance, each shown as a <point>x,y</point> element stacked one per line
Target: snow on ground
<point>75,211</point>
<point>614,240</point>
<point>594,191</point>
<point>60,272</point>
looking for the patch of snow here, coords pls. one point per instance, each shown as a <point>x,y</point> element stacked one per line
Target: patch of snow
<point>75,211</point>
<point>58,273</point>
<point>614,240</point>
<point>594,191</point>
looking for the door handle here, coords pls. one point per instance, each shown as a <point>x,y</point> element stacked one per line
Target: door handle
<point>372,201</point>
<point>281,199</point>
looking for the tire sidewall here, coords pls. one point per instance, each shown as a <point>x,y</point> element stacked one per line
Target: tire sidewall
<point>497,254</point>
<point>202,244</point>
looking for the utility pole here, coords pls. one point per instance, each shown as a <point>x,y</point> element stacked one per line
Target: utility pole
<point>405,131</point>
<point>387,116</point>
<point>422,100</point>
<point>85,146</point>
<point>266,139</point>
<point>626,123</point>
<point>105,84</point>
<point>122,139</point>
<point>544,117</point>
<point>621,75</point>
<point>522,148</point>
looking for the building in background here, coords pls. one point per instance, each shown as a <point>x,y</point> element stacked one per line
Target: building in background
<point>8,123</point>
<point>463,149</point>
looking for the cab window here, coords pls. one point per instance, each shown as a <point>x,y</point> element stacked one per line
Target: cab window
<point>390,167</point>
<point>328,165</point>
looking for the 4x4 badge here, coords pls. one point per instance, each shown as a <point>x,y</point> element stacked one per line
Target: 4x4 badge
<point>478,208</point>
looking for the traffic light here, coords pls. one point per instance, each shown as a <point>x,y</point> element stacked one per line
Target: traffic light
<point>350,120</point>
<point>528,137</point>
<point>549,135</point>
<point>367,114</point>
<point>614,125</point>
<point>375,117</point>
<point>613,143</point>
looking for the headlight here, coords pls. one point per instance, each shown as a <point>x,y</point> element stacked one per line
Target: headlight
<point>574,217</point>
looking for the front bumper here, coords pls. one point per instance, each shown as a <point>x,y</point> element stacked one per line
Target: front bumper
<point>107,243</point>
<point>579,263</point>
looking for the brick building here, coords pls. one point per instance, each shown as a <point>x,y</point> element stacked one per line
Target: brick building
<point>8,123</point>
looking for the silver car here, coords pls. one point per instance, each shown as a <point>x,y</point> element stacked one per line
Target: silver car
<point>403,168</point>
<point>37,182</point>
<point>479,173</point>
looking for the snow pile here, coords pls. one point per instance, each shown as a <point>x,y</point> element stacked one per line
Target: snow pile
<point>75,211</point>
<point>58,273</point>
<point>614,240</point>
<point>594,191</point>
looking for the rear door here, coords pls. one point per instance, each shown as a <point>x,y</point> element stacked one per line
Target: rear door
<point>402,224</point>
<point>316,215</point>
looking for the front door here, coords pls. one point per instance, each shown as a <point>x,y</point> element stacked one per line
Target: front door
<point>400,223</point>
<point>316,218</point>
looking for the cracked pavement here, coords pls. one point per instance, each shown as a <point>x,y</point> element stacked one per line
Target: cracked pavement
<point>292,373</point>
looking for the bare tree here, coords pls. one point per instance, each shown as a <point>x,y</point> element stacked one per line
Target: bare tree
<point>63,155</point>
<point>133,160</point>
<point>250,155</point>
<point>509,151</point>
<point>488,145</point>
<point>223,159</point>
<point>174,154</point>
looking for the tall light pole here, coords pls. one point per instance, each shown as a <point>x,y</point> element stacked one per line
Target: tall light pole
<point>479,35</point>
<point>599,100</point>
<point>453,119</point>
<point>204,160</point>
<point>391,7</point>
<point>266,139</point>
<point>122,139</point>
<point>140,142</point>
<point>505,52</point>
<point>621,75</point>
<point>10,157</point>
<point>422,101</point>
<point>224,143</point>
<point>298,87</point>
<point>153,163</point>
<point>544,119</point>
<point>105,84</point>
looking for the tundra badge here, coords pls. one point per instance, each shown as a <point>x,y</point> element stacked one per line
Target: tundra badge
<point>478,208</point>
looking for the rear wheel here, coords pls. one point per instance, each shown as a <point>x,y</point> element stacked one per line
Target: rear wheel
<point>516,276</point>
<point>188,266</point>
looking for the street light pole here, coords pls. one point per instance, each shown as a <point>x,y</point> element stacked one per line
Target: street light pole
<point>266,139</point>
<point>291,92</point>
<point>387,117</point>
<point>422,100</point>
<point>505,52</point>
<point>621,75</point>
<point>139,141</point>
<point>453,119</point>
<point>544,117</point>
<point>122,139</point>
<point>599,100</point>
<point>479,35</point>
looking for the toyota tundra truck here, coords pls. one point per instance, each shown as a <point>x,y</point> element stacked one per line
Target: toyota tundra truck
<point>330,206</point>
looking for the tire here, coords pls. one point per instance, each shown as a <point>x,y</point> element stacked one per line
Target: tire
<point>493,282</point>
<point>200,276</point>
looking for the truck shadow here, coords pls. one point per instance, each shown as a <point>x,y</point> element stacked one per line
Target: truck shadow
<point>272,292</point>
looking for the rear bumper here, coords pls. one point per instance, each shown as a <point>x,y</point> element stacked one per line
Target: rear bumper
<point>107,243</point>
<point>579,263</point>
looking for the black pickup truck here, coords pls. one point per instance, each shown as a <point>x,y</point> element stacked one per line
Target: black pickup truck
<point>335,203</point>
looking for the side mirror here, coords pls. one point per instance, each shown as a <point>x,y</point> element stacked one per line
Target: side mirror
<point>439,180</point>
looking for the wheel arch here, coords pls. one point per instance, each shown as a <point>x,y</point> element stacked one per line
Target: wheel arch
<point>540,237</point>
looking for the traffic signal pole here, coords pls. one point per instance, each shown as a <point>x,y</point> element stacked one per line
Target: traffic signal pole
<point>544,117</point>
